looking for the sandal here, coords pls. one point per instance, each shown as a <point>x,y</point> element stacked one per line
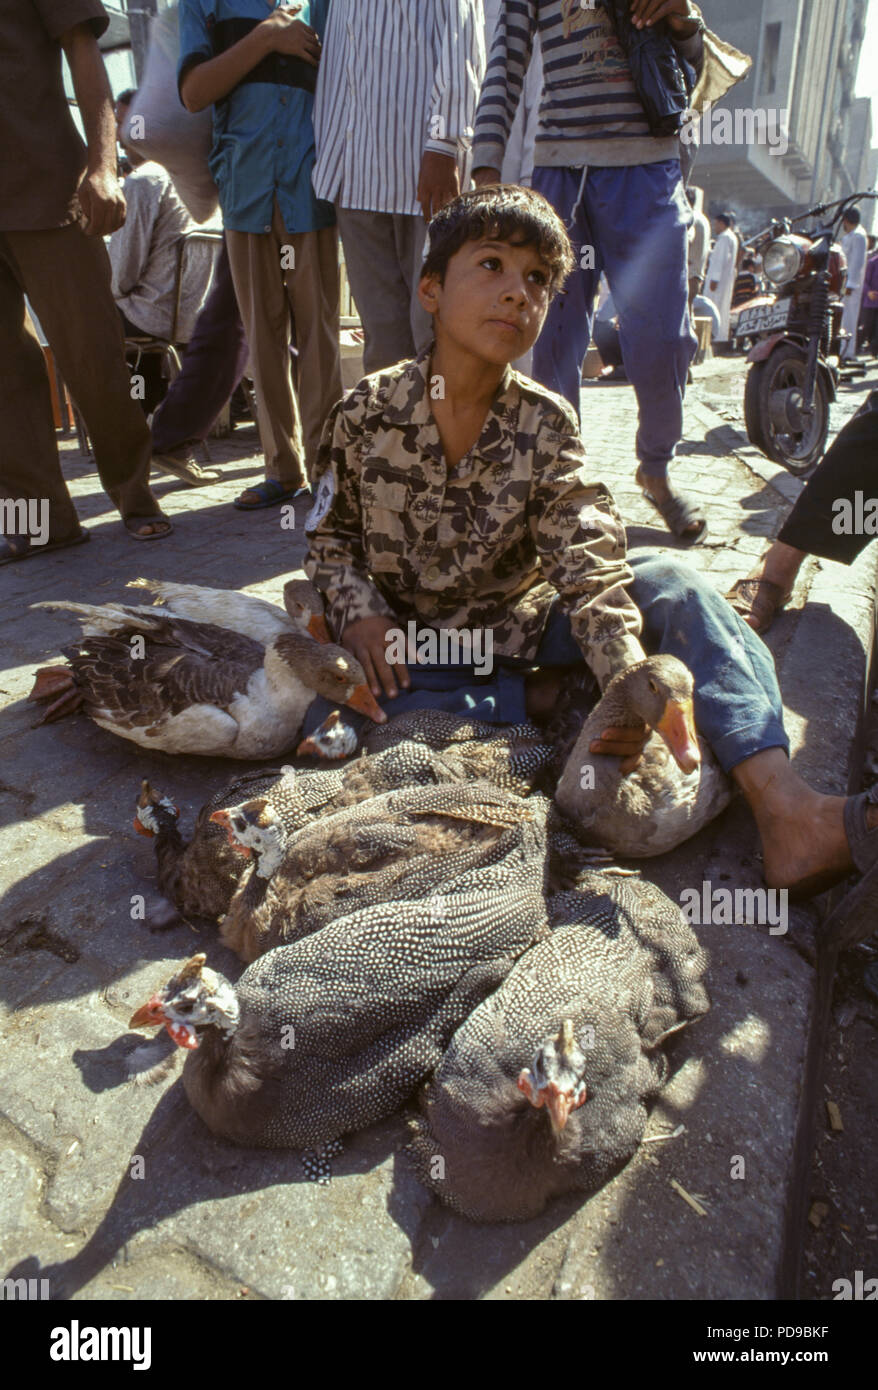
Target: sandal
<point>679,512</point>
<point>758,599</point>
<point>270,493</point>
<point>15,548</point>
<point>856,916</point>
<point>132,522</point>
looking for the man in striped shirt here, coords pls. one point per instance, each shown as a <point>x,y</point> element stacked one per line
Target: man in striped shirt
<point>620,192</point>
<point>394,108</point>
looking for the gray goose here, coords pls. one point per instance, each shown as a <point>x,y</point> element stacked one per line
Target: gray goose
<point>676,789</point>
<point>544,1088</point>
<point>169,683</point>
<point>239,612</point>
<point>334,1032</point>
<point>412,844</point>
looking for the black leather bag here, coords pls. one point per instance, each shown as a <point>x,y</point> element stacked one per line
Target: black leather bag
<point>663,80</point>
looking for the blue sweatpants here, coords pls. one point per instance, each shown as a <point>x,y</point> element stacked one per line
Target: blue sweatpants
<point>635,220</point>
<point>738,706</point>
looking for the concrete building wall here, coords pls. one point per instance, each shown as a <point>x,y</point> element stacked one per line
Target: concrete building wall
<point>805,56</point>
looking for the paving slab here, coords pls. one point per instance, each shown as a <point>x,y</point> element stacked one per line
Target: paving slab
<point>113,1190</point>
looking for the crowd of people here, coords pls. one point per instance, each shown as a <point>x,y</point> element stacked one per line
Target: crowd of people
<point>448,488</point>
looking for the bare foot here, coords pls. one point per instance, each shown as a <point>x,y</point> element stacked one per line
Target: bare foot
<point>804,845</point>
<point>779,565</point>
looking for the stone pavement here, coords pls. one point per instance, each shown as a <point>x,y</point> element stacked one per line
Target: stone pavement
<point>197,1218</point>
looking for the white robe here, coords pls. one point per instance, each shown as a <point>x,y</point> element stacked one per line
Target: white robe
<point>855,245</point>
<point>722,269</point>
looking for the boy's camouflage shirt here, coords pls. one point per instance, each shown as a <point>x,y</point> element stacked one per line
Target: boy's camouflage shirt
<point>487,544</point>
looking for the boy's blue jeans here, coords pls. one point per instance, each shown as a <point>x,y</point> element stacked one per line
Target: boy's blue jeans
<point>738,706</point>
<point>635,220</point>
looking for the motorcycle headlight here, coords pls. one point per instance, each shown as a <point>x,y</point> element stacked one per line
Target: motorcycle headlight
<point>782,261</point>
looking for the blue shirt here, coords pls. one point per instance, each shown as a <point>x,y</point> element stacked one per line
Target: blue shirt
<point>263,133</point>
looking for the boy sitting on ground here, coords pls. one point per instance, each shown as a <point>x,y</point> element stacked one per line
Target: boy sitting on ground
<point>454,493</point>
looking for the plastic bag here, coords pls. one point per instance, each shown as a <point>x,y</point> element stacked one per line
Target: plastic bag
<point>159,127</point>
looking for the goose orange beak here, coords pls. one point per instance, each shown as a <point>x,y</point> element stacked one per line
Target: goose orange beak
<point>220,818</point>
<point>364,702</point>
<point>318,629</point>
<point>677,728</point>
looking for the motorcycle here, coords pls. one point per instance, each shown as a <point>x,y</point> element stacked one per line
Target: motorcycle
<point>797,337</point>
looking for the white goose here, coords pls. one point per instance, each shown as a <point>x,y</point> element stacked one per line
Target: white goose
<point>166,682</point>
<point>254,617</point>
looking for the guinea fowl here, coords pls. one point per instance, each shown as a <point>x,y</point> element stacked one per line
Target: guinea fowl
<point>543,1089</point>
<point>200,877</point>
<point>677,787</point>
<point>514,756</point>
<point>254,617</point>
<point>169,683</point>
<point>335,1031</point>
<point>412,844</point>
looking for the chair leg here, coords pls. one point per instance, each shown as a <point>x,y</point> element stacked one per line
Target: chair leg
<point>82,438</point>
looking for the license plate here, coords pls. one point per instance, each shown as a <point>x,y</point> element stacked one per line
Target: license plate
<point>763,317</point>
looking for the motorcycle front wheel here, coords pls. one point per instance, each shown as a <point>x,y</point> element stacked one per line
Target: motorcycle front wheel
<point>772,410</point>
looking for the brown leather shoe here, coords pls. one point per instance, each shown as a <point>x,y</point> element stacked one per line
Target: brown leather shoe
<point>184,466</point>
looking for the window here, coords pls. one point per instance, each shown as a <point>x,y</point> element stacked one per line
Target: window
<point>770,51</point>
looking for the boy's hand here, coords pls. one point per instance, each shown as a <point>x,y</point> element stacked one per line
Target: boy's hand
<point>627,743</point>
<point>438,182</point>
<point>286,34</point>
<point>367,640</point>
<point>678,13</point>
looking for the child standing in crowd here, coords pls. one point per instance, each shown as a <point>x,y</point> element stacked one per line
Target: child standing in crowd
<point>259,72</point>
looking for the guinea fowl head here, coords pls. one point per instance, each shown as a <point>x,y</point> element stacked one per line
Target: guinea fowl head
<point>155,812</point>
<point>326,669</point>
<point>194,998</point>
<point>254,829</point>
<point>555,1078</point>
<point>659,692</point>
<point>334,739</point>
<point>305,606</point>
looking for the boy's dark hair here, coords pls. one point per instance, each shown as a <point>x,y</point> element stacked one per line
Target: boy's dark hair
<point>504,212</point>
<point>852,215</point>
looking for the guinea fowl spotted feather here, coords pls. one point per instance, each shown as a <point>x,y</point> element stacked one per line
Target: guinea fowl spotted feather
<point>410,844</point>
<point>513,756</point>
<point>201,877</point>
<point>336,1030</point>
<point>626,980</point>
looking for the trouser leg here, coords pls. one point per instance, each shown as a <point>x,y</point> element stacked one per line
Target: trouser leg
<point>381,291</point>
<point>849,322</point>
<point>67,278</point>
<point>29,463</point>
<point>738,705</point>
<point>560,349</point>
<point>312,287</point>
<point>868,329</point>
<point>817,524</point>
<point>213,364</point>
<point>639,217</point>
<point>255,260</point>
<point>411,233</point>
